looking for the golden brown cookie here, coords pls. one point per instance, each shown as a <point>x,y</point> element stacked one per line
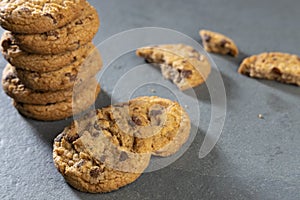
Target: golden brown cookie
<point>37,62</point>
<point>90,162</point>
<point>23,16</point>
<point>14,88</point>
<point>180,63</point>
<point>63,78</point>
<point>116,142</point>
<point>61,110</point>
<point>67,38</point>
<point>282,67</point>
<point>218,43</point>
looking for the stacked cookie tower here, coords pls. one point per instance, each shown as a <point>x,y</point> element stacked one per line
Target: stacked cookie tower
<point>52,61</point>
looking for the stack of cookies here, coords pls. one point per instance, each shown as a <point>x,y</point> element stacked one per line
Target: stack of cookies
<point>52,61</point>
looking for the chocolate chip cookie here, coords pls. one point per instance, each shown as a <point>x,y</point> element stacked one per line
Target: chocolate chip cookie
<point>282,67</point>
<point>23,16</point>
<point>218,43</point>
<point>61,110</point>
<point>67,38</point>
<point>37,62</point>
<point>63,78</point>
<point>14,88</point>
<point>180,63</point>
<point>109,148</point>
<point>91,162</point>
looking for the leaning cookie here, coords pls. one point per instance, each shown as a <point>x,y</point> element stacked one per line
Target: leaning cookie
<point>67,38</point>
<point>282,67</point>
<point>14,88</point>
<point>22,16</point>
<point>61,110</point>
<point>37,62</point>
<point>218,43</point>
<point>63,78</point>
<point>182,64</point>
<point>93,160</point>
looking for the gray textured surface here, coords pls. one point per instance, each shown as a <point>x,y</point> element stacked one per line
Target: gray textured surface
<point>254,159</point>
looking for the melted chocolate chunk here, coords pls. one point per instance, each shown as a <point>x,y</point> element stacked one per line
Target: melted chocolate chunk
<point>123,156</point>
<point>137,121</point>
<point>95,172</point>
<point>223,43</point>
<point>207,38</point>
<point>186,73</point>
<point>6,44</point>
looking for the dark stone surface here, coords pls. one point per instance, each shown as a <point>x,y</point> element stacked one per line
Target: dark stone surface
<point>254,158</point>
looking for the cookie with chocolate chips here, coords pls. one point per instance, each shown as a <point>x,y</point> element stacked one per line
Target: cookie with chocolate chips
<point>182,64</point>
<point>37,62</point>
<point>64,78</point>
<point>68,38</point>
<point>282,67</point>
<point>23,16</point>
<point>218,43</point>
<point>111,147</point>
<point>79,102</point>
<point>14,88</point>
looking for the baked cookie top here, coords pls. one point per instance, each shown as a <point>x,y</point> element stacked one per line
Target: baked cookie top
<point>117,142</point>
<point>67,38</point>
<point>63,78</point>
<point>282,67</point>
<point>37,62</point>
<point>180,63</point>
<point>32,16</point>
<point>218,43</point>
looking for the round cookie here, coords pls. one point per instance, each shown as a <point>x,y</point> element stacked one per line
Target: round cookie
<point>14,88</point>
<point>67,38</point>
<point>23,16</point>
<point>63,78</point>
<point>37,62</point>
<point>62,110</point>
<point>182,64</point>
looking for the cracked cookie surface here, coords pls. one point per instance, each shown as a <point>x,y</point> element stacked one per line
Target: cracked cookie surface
<point>67,38</point>
<point>117,142</point>
<point>218,43</point>
<point>37,62</point>
<point>182,64</point>
<point>30,16</point>
<point>63,78</point>
<point>282,67</point>
<point>81,101</point>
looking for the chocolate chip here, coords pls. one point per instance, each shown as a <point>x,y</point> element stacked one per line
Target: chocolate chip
<point>137,121</point>
<point>72,138</point>
<point>276,71</point>
<point>81,163</point>
<point>123,156</point>
<point>25,10</point>
<point>223,43</point>
<point>207,38</point>
<point>79,22</point>
<point>50,16</point>
<point>154,113</point>
<point>186,73</point>
<point>102,159</point>
<point>95,172</point>
<point>6,44</point>
<point>71,76</point>
<point>149,60</point>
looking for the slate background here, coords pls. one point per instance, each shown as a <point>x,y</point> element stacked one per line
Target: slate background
<point>254,158</point>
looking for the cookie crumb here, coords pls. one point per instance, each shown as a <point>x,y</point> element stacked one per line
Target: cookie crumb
<point>260,116</point>
<point>153,90</point>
